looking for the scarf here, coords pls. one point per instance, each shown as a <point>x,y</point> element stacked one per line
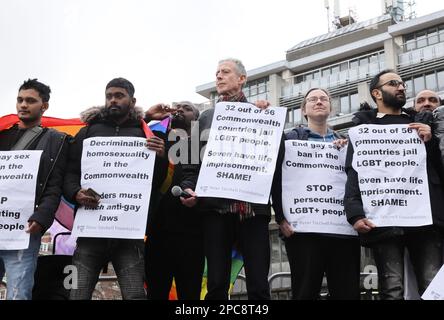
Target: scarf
<point>243,208</point>
<point>240,97</point>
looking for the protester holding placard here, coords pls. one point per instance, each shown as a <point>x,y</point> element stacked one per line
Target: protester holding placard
<point>381,201</point>
<point>118,118</point>
<point>27,134</point>
<point>316,244</point>
<point>226,221</point>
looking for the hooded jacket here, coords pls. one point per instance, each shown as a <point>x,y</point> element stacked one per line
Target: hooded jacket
<point>99,125</point>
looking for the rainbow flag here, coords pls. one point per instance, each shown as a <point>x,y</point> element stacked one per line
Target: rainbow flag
<point>237,263</point>
<point>69,126</point>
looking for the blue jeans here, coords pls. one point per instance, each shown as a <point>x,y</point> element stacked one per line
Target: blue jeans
<point>425,249</point>
<point>20,267</point>
<point>127,257</point>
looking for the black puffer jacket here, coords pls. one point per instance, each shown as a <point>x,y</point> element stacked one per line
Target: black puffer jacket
<point>50,176</point>
<point>99,126</point>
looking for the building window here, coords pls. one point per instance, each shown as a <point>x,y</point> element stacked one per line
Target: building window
<point>440,77</point>
<point>256,89</point>
<point>430,80</point>
<point>409,92</point>
<point>354,102</point>
<point>433,36</point>
<point>423,38</point>
<point>297,115</point>
<point>290,117</point>
<point>339,73</point>
<point>354,64</point>
<point>345,104</point>
<point>294,116</point>
<point>418,83</point>
<point>441,33</point>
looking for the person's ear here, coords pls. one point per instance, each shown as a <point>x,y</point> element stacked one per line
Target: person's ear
<point>44,107</point>
<point>377,94</point>
<point>242,79</point>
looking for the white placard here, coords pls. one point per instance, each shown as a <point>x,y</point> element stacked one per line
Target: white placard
<point>18,178</point>
<point>120,169</point>
<point>435,290</point>
<point>240,156</point>
<point>391,163</point>
<point>313,186</point>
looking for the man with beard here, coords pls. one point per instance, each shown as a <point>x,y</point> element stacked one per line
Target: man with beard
<point>174,246</point>
<point>427,100</point>
<point>119,117</point>
<point>389,243</point>
<point>27,134</point>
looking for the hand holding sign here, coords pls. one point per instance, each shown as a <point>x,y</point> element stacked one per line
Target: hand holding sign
<point>34,227</point>
<point>364,225</point>
<point>424,131</point>
<point>86,198</point>
<point>156,144</point>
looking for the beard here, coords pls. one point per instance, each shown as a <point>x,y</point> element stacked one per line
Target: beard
<point>178,122</point>
<point>30,117</point>
<point>117,112</point>
<point>395,102</point>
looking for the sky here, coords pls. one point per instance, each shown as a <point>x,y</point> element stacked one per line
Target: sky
<point>165,48</point>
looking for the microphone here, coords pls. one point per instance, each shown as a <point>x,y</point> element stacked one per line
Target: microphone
<point>178,192</point>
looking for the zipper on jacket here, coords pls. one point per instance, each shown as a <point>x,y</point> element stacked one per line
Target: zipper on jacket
<point>117,131</point>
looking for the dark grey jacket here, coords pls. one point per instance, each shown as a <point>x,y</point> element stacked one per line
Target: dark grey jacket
<point>50,176</point>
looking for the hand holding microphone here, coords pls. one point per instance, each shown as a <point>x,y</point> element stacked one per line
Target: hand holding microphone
<point>178,192</point>
<point>188,197</point>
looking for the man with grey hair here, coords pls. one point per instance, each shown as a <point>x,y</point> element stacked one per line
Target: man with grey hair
<point>427,100</point>
<point>227,222</point>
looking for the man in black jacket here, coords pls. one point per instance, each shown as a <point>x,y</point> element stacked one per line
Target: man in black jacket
<point>119,117</point>
<point>388,243</point>
<point>228,221</point>
<point>174,247</point>
<point>32,102</point>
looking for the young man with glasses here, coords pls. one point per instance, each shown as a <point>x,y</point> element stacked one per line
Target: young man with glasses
<point>389,243</point>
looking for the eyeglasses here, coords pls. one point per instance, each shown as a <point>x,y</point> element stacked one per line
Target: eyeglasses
<point>393,83</point>
<point>315,99</point>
